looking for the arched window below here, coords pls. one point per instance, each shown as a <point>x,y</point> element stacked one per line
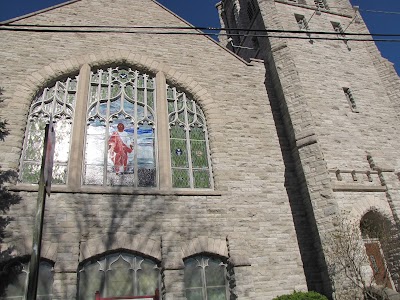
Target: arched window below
<point>118,275</point>
<point>205,278</point>
<point>14,285</point>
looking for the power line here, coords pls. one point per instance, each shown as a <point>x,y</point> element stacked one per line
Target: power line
<point>113,29</point>
<point>214,34</point>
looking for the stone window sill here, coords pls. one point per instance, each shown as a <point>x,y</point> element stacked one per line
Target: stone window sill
<point>116,190</point>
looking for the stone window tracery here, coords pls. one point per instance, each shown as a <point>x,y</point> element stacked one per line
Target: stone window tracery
<point>117,275</point>
<point>188,142</point>
<point>124,128</point>
<point>58,102</point>
<point>17,281</point>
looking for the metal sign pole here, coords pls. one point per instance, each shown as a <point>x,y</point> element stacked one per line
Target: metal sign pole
<point>44,184</point>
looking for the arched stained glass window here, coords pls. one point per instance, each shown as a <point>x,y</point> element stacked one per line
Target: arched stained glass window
<point>17,281</point>
<point>118,275</point>
<point>120,138</point>
<point>205,279</point>
<point>188,142</point>
<point>57,101</point>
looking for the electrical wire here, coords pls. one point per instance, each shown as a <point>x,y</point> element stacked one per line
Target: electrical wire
<point>214,34</point>
<point>112,29</point>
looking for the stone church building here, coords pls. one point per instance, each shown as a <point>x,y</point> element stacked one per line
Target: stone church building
<point>209,170</point>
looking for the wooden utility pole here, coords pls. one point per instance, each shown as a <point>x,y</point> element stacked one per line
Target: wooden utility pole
<point>44,186</point>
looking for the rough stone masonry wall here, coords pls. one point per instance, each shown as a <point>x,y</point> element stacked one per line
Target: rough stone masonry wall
<point>349,139</point>
<point>249,208</point>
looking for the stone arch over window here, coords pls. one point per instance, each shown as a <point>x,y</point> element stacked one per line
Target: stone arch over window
<point>157,173</point>
<point>204,244</point>
<point>381,243</point>
<point>14,278</point>
<point>118,273</point>
<point>150,247</point>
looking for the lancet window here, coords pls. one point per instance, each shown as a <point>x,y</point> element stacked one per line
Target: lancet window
<point>188,141</point>
<point>205,278</point>
<point>16,283</point>
<point>56,102</point>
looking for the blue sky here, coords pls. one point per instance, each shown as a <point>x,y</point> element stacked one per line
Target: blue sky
<point>203,13</point>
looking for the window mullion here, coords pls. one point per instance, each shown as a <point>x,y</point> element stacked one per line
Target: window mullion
<point>79,127</point>
<point>188,145</point>
<point>164,152</point>
<point>135,124</point>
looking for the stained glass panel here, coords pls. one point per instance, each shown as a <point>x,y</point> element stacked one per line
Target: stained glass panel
<point>188,142</point>
<point>180,178</point>
<point>57,102</point>
<point>121,133</point>
<point>199,154</point>
<point>201,179</point>
<point>179,156</point>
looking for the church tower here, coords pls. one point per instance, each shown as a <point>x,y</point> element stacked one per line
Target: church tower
<point>338,102</point>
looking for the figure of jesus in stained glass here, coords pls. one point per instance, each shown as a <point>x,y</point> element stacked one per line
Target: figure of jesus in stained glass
<point>120,146</point>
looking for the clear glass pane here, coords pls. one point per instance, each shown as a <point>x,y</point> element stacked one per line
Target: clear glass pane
<point>45,281</point>
<point>63,136</point>
<point>194,294</point>
<point>180,178</point>
<point>216,293</point>
<point>30,172</point>
<point>34,146</point>
<point>16,280</point>
<point>93,175</point>
<point>119,279</point>
<point>193,274</point>
<point>215,273</point>
<point>59,174</point>
<point>91,280</point>
<point>147,278</point>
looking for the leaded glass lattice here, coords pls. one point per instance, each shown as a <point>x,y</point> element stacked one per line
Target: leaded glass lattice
<point>205,279</point>
<point>119,275</point>
<point>120,137</point>
<point>190,159</point>
<point>57,102</point>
